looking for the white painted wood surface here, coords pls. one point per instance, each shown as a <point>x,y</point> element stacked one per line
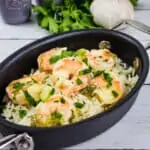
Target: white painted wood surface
<point>133,131</point>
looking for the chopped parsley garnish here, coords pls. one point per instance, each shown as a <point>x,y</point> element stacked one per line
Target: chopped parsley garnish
<point>105,60</point>
<point>62,100</point>
<point>56,101</point>
<point>108,78</point>
<point>79,105</point>
<point>54,59</point>
<point>18,85</point>
<point>80,52</point>
<point>57,115</point>
<point>29,98</point>
<point>79,81</point>
<point>115,93</point>
<point>22,113</point>
<point>65,54</point>
<point>85,60</point>
<point>34,81</point>
<point>85,71</point>
<point>98,73</point>
<point>52,92</point>
<point>88,90</point>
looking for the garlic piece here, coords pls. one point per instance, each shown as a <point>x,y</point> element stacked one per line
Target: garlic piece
<point>111,12</point>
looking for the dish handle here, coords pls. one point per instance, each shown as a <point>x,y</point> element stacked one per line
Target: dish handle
<point>21,141</point>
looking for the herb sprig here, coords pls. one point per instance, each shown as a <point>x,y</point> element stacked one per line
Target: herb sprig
<point>69,15</point>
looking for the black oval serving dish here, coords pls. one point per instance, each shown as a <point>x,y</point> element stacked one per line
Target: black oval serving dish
<point>21,62</point>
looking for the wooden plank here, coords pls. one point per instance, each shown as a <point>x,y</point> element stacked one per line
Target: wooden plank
<point>28,30</point>
<point>132,132</point>
<point>7,47</point>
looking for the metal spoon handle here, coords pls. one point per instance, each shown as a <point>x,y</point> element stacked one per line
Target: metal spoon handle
<point>22,141</point>
<point>139,25</point>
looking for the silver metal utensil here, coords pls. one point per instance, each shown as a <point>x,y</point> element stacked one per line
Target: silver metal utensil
<point>136,24</point>
<point>22,141</point>
<point>139,25</point>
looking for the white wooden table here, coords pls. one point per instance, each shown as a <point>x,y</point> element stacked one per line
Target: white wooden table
<point>133,131</point>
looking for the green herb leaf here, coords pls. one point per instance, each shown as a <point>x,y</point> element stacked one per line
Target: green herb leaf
<point>29,98</point>
<point>39,9</point>
<point>108,78</point>
<point>115,93</point>
<point>62,100</point>
<point>79,105</point>
<point>85,71</point>
<point>67,54</point>
<point>22,113</point>
<point>57,115</point>
<point>79,81</point>
<point>54,59</point>
<point>53,26</point>
<point>18,85</point>
<point>81,52</point>
<point>52,91</point>
<point>88,90</point>
<point>65,16</point>
<point>134,2</point>
<point>97,73</point>
<point>44,22</point>
<point>85,60</point>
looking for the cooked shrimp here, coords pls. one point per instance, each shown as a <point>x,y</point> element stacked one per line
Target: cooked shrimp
<point>68,68</point>
<point>80,83</point>
<point>101,59</point>
<point>44,59</point>
<point>71,87</point>
<point>31,83</point>
<point>67,71</point>
<point>57,104</point>
<point>108,94</point>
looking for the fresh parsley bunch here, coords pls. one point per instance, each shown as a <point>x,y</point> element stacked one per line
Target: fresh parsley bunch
<point>69,15</point>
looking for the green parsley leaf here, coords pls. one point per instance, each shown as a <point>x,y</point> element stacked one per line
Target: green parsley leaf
<point>79,81</point>
<point>79,105</point>
<point>57,115</point>
<point>115,93</point>
<point>63,100</point>
<point>98,73</point>
<point>134,2</point>
<point>54,59</point>
<point>52,91</point>
<point>85,71</point>
<point>108,78</point>
<point>85,60</point>
<point>65,54</point>
<point>22,113</point>
<point>80,52</point>
<point>29,98</point>
<point>88,90</point>
<point>18,85</point>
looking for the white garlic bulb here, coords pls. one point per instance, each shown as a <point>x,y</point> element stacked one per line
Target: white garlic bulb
<point>111,12</point>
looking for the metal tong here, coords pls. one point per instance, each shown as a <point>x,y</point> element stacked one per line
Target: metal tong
<point>136,24</point>
<point>20,142</point>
